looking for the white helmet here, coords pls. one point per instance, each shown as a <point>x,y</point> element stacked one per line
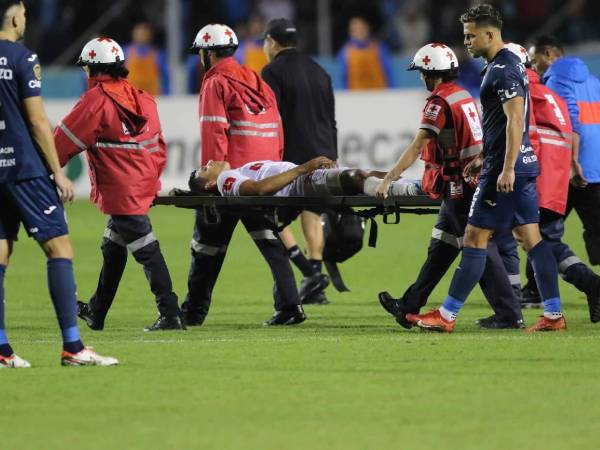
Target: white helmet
<point>519,51</point>
<point>213,36</point>
<point>434,57</point>
<point>101,50</point>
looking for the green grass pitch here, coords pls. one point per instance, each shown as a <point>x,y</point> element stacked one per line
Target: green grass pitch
<point>347,378</point>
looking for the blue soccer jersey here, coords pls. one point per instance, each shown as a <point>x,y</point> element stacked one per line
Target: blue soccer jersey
<point>20,78</point>
<point>505,78</point>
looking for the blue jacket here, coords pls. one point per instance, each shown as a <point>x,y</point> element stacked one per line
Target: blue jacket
<point>571,79</point>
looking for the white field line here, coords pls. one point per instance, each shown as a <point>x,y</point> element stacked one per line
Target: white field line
<point>411,337</point>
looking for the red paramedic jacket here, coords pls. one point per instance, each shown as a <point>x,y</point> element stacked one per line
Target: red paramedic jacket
<point>554,144</point>
<point>239,119</point>
<point>453,116</point>
<point>119,128</point>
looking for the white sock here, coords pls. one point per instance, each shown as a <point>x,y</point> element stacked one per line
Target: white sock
<point>447,315</point>
<point>404,188</point>
<point>553,315</point>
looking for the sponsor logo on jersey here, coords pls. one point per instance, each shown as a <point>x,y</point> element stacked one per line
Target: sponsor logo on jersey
<point>228,184</point>
<point>6,74</point>
<point>35,84</point>
<point>256,167</point>
<point>37,71</point>
<point>8,162</point>
<point>49,210</point>
<point>32,58</point>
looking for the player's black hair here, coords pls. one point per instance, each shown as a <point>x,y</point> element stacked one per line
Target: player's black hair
<point>116,71</point>
<point>545,41</point>
<point>483,15</point>
<point>5,6</point>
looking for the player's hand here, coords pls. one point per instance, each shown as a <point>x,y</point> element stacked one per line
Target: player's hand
<point>383,188</point>
<point>506,181</point>
<point>577,177</point>
<point>473,169</point>
<point>65,187</point>
<point>320,162</point>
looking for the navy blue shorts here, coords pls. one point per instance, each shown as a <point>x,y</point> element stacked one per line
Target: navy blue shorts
<point>34,203</point>
<point>493,210</point>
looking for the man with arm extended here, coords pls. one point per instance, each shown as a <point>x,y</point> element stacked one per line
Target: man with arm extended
<point>506,193</point>
<point>27,193</point>
<point>448,139</point>
<point>318,177</point>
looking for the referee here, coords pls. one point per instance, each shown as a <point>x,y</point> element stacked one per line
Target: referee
<point>306,104</point>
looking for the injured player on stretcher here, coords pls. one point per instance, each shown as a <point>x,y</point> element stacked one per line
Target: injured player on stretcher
<point>318,177</point>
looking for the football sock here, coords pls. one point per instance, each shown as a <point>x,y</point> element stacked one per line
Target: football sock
<point>61,285</point>
<point>73,347</point>
<point>467,275</point>
<point>546,276</point>
<point>5,349</point>
<point>2,324</point>
<point>300,261</point>
<point>317,264</point>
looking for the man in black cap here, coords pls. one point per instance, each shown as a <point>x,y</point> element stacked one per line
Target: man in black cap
<point>306,104</point>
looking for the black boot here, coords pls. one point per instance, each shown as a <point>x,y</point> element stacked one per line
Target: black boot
<point>288,315</point>
<point>166,323</point>
<point>92,320</point>
<point>395,307</point>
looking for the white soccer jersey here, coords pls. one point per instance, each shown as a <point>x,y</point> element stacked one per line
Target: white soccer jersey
<point>229,181</point>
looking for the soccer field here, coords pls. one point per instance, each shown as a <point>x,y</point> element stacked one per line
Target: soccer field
<point>347,378</point>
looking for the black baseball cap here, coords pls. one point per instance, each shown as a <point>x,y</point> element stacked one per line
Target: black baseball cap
<point>282,30</point>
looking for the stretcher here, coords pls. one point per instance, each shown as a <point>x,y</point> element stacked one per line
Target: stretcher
<point>283,210</point>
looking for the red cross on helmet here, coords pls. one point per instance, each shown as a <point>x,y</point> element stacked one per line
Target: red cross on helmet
<point>214,36</point>
<point>519,51</point>
<point>434,57</point>
<point>101,50</point>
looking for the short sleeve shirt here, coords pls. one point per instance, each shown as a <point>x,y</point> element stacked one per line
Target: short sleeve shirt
<point>505,78</point>
<point>20,78</point>
<point>436,115</point>
<point>229,181</point>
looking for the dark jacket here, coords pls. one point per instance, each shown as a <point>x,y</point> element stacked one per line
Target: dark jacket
<point>306,104</point>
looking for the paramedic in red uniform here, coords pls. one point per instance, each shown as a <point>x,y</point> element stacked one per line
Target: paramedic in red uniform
<point>449,138</point>
<point>118,127</point>
<point>239,123</point>
<point>553,146</point>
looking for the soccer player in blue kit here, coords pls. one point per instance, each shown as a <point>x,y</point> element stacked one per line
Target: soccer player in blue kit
<point>506,195</point>
<point>27,193</point>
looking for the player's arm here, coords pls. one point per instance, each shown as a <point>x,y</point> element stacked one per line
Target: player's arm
<point>514,109</point>
<point>410,155</point>
<point>272,185</point>
<point>41,132</point>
